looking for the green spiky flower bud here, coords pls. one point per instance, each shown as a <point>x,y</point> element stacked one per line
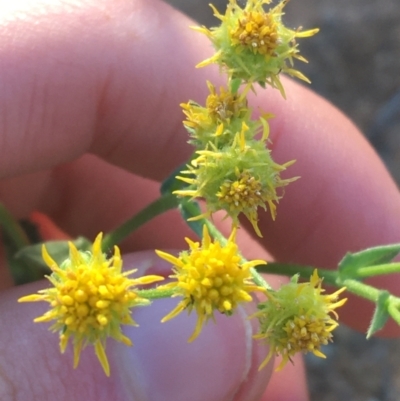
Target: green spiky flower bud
<point>222,117</point>
<point>298,318</point>
<point>238,178</point>
<point>253,45</point>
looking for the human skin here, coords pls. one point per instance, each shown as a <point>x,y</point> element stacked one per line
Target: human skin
<point>90,122</point>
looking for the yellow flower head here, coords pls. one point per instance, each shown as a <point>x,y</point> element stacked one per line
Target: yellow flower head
<point>219,120</point>
<point>298,318</point>
<point>237,179</point>
<point>246,194</point>
<point>90,299</point>
<point>210,277</point>
<point>253,45</point>
<point>225,105</point>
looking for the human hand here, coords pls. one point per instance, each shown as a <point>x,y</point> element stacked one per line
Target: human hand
<point>89,105</point>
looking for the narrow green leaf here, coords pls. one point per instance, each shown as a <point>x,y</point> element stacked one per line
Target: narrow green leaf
<point>58,250</point>
<point>368,257</point>
<point>24,272</point>
<point>171,183</point>
<point>161,205</point>
<point>191,209</point>
<point>235,84</point>
<point>381,314</point>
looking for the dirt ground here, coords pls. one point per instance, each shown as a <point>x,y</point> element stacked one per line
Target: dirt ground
<point>355,63</point>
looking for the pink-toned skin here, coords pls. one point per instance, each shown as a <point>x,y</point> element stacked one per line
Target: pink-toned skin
<point>222,364</point>
<point>89,121</point>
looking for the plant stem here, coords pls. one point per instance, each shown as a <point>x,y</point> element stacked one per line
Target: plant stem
<point>394,312</point>
<point>159,206</point>
<point>362,290</point>
<point>331,277</point>
<point>305,272</point>
<point>377,270</point>
<point>156,293</point>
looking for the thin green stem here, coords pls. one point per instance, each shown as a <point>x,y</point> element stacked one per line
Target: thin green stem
<point>362,290</point>
<point>156,293</point>
<point>331,277</point>
<point>159,206</point>
<point>259,279</point>
<point>377,270</point>
<point>394,312</point>
<point>305,272</point>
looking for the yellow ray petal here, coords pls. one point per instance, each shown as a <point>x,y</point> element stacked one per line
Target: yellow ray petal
<point>77,353</point>
<point>48,259</point>
<point>102,357</point>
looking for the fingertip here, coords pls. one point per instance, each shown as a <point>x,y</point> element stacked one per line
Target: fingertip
<point>32,365</point>
<point>104,77</point>
<point>288,384</point>
<point>221,364</point>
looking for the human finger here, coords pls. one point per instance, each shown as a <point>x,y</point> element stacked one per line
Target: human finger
<point>222,364</point>
<point>103,76</point>
<point>102,82</point>
<point>288,384</point>
<point>294,373</point>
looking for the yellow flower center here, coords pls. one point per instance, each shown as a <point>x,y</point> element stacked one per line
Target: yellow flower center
<point>242,195</point>
<point>256,31</point>
<point>224,106</point>
<point>210,277</point>
<point>307,334</point>
<point>298,318</point>
<point>90,299</point>
<point>213,278</point>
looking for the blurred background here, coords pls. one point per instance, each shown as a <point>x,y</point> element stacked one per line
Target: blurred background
<point>354,63</point>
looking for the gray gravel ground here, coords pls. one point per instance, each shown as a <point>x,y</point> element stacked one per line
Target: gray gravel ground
<point>355,63</point>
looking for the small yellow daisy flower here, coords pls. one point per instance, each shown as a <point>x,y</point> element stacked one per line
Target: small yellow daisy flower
<point>90,299</point>
<point>210,277</point>
<point>253,45</point>
<point>240,178</point>
<point>246,194</point>
<point>298,318</point>
<point>219,120</point>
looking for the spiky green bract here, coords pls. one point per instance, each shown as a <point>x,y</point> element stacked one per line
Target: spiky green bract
<point>238,178</point>
<point>298,318</point>
<point>253,45</point>
<point>224,115</point>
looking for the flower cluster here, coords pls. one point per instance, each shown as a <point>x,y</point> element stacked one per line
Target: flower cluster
<point>220,119</point>
<point>90,299</point>
<point>233,169</point>
<point>298,318</point>
<point>253,45</point>
<point>208,277</point>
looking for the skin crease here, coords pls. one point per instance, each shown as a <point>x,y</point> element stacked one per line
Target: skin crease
<point>89,119</point>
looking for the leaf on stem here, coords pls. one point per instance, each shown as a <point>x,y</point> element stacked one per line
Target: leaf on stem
<point>381,314</point>
<point>59,250</point>
<point>171,184</point>
<point>235,84</point>
<point>189,209</point>
<point>368,257</point>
